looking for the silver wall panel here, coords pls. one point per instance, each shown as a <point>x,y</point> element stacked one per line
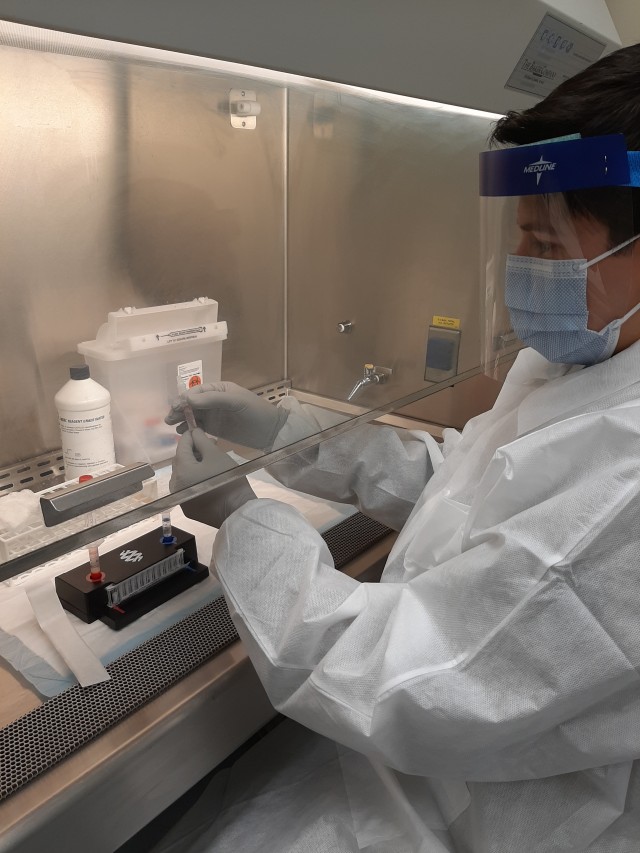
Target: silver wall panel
<point>60,174</point>
<point>384,232</point>
<point>123,183</point>
<point>205,213</point>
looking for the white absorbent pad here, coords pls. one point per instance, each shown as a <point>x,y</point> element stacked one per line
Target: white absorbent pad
<point>55,650</point>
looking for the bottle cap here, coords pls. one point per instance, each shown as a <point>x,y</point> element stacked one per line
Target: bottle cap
<point>81,371</point>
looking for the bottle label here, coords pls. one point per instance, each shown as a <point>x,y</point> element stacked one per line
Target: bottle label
<point>87,440</point>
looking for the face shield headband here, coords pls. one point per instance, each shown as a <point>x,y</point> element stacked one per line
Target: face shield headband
<point>537,253</point>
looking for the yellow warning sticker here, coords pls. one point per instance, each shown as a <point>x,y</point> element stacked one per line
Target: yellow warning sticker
<point>445,322</point>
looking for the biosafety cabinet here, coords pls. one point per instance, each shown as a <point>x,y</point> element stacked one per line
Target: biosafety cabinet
<point>294,236</point>
<point>170,218</point>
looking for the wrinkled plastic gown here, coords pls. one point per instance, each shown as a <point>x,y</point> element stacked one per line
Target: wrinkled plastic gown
<point>491,679</point>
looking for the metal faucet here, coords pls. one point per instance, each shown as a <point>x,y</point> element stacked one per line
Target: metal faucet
<point>372,375</point>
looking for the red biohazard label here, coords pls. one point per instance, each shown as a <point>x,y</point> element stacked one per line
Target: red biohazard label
<point>194,380</point>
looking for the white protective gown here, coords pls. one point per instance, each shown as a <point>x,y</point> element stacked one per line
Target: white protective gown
<point>491,678</point>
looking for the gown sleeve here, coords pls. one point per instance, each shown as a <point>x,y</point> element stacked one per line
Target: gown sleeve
<point>380,470</point>
<point>515,658</point>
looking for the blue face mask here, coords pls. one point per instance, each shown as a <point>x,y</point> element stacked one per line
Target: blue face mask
<point>547,302</point>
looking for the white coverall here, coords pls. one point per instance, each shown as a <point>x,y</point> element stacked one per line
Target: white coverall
<point>491,678</point>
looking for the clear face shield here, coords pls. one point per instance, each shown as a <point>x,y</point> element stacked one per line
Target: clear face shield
<point>559,253</point>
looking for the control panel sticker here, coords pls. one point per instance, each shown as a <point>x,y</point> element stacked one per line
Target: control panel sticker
<point>445,322</point>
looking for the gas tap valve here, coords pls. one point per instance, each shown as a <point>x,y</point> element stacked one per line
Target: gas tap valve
<point>372,375</point>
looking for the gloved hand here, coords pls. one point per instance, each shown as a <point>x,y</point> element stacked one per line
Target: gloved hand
<point>229,411</point>
<point>198,458</point>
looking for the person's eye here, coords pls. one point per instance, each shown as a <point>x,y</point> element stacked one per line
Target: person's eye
<point>544,248</point>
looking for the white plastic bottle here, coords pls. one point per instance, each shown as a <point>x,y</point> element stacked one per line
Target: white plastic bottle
<point>84,415</point>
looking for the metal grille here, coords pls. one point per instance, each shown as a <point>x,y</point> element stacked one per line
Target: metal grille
<point>41,738</point>
<point>35,474</point>
<point>274,391</point>
<point>353,536</point>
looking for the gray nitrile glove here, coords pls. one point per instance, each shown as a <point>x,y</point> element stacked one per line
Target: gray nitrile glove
<point>229,411</point>
<point>198,458</point>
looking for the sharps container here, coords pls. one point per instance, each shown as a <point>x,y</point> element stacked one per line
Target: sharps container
<point>146,357</point>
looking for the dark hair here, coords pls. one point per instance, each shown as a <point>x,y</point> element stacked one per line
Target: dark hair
<point>602,99</point>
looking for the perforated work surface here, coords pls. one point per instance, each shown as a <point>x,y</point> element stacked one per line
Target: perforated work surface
<point>353,536</point>
<point>44,736</point>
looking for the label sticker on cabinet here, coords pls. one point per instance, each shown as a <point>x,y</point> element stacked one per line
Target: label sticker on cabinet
<point>445,322</point>
<point>189,375</point>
